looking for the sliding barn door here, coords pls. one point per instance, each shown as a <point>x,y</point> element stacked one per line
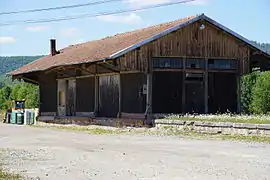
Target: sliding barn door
<point>71,98</point>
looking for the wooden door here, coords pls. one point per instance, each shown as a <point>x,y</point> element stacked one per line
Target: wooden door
<point>194,89</point>
<point>71,98</point>
<point>167,92</point>
<point>109,96</point>
<point>62,89</point>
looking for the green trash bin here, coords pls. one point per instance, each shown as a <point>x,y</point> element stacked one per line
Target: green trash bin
<point>13,117</point>
<point>20,118</point>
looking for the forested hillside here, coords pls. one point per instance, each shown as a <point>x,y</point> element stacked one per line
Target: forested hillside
<point>8,64</point>
<point>265,46</point>
<point>14,90</point>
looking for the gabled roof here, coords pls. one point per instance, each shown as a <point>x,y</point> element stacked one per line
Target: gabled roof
<point>117,45</point>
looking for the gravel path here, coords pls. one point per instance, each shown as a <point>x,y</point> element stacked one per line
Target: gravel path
<point>42,153</point>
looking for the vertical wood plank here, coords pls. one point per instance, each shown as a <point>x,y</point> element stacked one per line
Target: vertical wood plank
<point>119,97</point>
<point>96,110</point>
<point>206,87</point>
<point>184,87</point>
<point>149,92</point>
<point>238,88</point>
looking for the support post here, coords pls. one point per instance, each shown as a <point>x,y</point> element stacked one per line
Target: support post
<point>184,87</point>
<point>149,98</point>
<point>149,85</point>
<point>96,111</point>
<point>120,97</point>
<point>206,87</point>
<point>238,93</point>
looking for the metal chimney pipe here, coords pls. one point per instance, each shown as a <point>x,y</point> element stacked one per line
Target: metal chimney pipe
<point>53,47</point>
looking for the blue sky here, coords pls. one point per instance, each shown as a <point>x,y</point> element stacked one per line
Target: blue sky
<point>250,18</point>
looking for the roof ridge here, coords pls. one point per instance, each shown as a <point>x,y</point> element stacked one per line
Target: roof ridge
<point>155,25</point>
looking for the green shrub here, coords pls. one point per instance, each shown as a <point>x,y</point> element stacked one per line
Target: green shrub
<point>247,83</point>
<point>261,94</point>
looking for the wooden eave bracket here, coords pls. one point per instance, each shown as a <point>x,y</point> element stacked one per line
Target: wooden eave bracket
<point>82,68</point>
<point>21,77</point>
<point>110,67</point>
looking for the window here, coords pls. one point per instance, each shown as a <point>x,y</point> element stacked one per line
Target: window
<point>195,63</point>
<point>222,64</point>
<point>167,62</point>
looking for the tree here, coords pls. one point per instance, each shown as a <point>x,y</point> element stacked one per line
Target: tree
<point>261,94</point>
<point>32,98</point>
<point>247,84</point>
<point>5,97</point>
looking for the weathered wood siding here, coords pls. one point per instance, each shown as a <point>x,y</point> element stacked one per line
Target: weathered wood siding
<point>167,92</point>
<point>109,96</point>
<point>133,99</point>
<point>222,92</point>
<point>48,94</point>
<point>190,41</point>
<point>85,94</point>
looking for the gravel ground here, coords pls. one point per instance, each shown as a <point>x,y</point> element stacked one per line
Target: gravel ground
<point>40,153</point>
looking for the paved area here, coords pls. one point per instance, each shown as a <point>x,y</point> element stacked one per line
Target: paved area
<point>61,155</point>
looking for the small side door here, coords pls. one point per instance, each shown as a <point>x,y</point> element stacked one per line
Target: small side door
<point>61,96</point>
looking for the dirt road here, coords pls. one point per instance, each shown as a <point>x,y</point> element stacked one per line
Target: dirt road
<point>61,155</point>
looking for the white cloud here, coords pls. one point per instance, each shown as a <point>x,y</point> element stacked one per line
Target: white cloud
<point>69,32</point>
<point>143,3</point>
<point>199,2</point>
<point>37,28</point>
<point>7,39</point>
<point>125,19</point>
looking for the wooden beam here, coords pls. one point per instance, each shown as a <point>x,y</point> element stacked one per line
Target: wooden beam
<point>206,87</point>
<point>53,69</point>
<point>27,79</point>
<point>184,87</point>
<point>106,64</point>
<point>196,57</point>
<point>119,115</point>
<point>85,70</point>
<point>238,91</point>
<point>149,92</point>
<point>238,94</point>
<point>96,110</point>
<point>194,70</point>
<point>149,96</point>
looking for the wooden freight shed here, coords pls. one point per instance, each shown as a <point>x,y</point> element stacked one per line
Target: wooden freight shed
<point>191,65</point>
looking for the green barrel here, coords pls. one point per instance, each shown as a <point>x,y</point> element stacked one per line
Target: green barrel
<point>20,118</point>
<point>13,117</point>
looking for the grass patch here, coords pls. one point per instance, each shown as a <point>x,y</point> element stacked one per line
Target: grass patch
<point>8,176</point>
<point>202,135</point>
<point>165,131</point>
<point>223,118</point>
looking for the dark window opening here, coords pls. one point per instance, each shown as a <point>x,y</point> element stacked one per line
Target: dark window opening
<point>222,64</point>
<point>173,63</point>
<point>195,64</point>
